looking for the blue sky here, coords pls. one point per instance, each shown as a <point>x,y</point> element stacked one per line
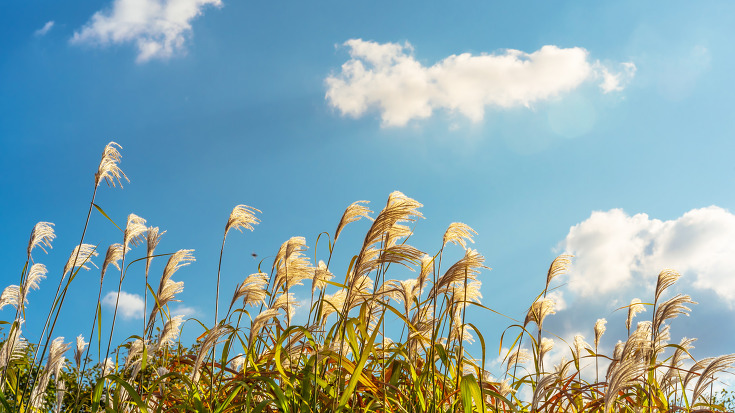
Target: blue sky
<point>601,129</point>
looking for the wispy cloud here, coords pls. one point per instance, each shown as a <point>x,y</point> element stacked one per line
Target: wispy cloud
<point>615,251</point>
<point>159,28</point>
<point>45,29</point>
<point>130,305</point>
<point>387,77</point>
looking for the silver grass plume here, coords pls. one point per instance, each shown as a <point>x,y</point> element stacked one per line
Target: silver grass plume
<point>213,336</point>
<point>242,216</point>
<point>134,231</point>
<point>692,371</point>
<point>624,375</point>
<point>543,386</point>
<point>10,296</point>
<point>717,365</point>
<point>671,308</point>
<point>34,277</point>
<point>518,356</point>
<point>427,267</point>
<point>237,363</point>
<point>458,234</point>
<point>458,330</point>
<point>13,348</point>
<point>332,303</point>
<point>60,391</point>
<point>170,332</point>
<point>352,214</point>
<point>562,369</point>
<point>558,267</point>
<point>599,330</point>
<point>666,279</point>
<point>54,364</point>
<point>153,238</point>
<point>109,169</point>
<point>252,290</point>
<point>113,256</point>
<point>545,346</point>
<point>505,388</point>
<point>165,295</point>
<point>107,366</point>
<point>286,302</point>
<point>468,266</point>
<point>79,349</point>
<point>402,254</point>
<point>321,276</point>
<point>463,296</point>
<point>80,257</point>
<point>135,352</point>
<point>261,320</point>
<point>539,310</point>
<point>293,265</point>
<point>634,308</point>
<point>399,209</point>
<point>41,236</point>
<point>579,345</point>
<point>681,353</point>
<point>167,288</point>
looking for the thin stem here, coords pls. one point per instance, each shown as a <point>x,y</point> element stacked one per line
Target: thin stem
<point>63,295</point>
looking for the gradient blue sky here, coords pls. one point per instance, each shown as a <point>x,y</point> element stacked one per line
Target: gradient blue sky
<point>614,144</point>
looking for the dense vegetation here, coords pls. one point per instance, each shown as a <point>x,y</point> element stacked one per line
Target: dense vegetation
<point>254,358</point>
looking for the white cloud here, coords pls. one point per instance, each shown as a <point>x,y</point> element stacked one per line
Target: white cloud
<point>388,77</point>
<point>615,251</point>
<point>159,28</point>
<point>45,29</point>
<point>130,305</point>
<point>184,310</point>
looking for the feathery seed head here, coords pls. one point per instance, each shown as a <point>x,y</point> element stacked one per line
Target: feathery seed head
<point>321,276</point>
<point>213,337</point>
<point>109,169</point>
<point>672,308</point>
<point>79,349</point>
<point>252,290</point>
<point>634,308</point>
<point>113,255</point>
<point>10,296</point>
<point>599,330</point>
<point>81,257</point>
<point>558,267</point>
<point>545,346</point>
<point>539,310</point>
<point>352,214</point>
<point>41,236</point>
<point>518,356</point>
<point>579,345</point>
<point>237,362</point>
<point>14,346</point>
<point>458,234</point>
<point>170,332</point>
<point>134,231</point>
<point>666,279</point>
<point>153,237</point>
<point>34,277</point>
<point>179,259</point>
<point>242,216</point>
<point>166,293</point>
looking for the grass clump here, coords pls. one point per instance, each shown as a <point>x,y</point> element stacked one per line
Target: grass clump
<point>342,359</point>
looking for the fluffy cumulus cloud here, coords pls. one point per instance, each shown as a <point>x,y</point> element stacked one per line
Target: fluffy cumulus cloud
<point>129,307</point>
<point>616,251</point>
<point>388,77</point>
<point>158,28</point>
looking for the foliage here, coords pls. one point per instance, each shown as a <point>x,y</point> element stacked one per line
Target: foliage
<point>255,359</point>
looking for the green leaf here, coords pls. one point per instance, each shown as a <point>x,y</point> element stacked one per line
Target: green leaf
<point>106,216</point>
